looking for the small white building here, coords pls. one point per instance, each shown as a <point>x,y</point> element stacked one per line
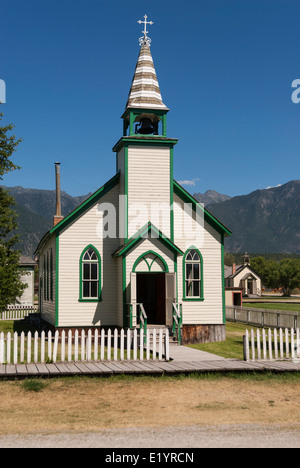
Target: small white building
<point>243,277</point>
<point>140,239</point>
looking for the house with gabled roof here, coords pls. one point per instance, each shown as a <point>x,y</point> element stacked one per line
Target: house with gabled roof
<point>244,277</point>
<point>140,246</point>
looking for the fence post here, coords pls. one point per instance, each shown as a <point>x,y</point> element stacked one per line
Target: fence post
<point>8,347</point>
<point>167,345</point>
<point>55,347</point>
<point>122,344</point>
<point>281,343</point>
<point>246,347</point>
<point>135,344</point>
<point>270,344</point>
<point>63,346</point>
<point>96,338</point>
<point>76,345</point>
<point>2,347</point>
<point>292,344</point>
<point>264,344</point>
<point>287,343</point>
<point>22,347</point>
<point>258,345</point>
<point>148,345</point>
<point>154,344</point>
<point>141,344</point>
<point>109,345</point>
<point>70,338</point>
<point>28,347</point>
<point>253,345</point>
<point>276,343</point>
<point>36,347</point>
<point>102,344</point>
<point>16,342</point>
<point>49,345</point>
<point>116,344</point>
<point>83,345</point>
<point>128,344</point>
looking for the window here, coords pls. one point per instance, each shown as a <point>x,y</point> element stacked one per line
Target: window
<point>193,275</point>
<point>90,275</point>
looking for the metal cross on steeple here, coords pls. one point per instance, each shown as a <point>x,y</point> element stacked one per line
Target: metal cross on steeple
<point>145,39</point>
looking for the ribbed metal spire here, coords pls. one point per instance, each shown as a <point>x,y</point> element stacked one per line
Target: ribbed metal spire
<point>145,92</point>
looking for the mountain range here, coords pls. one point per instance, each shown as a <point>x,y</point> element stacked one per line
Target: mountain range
<point>265,221</point>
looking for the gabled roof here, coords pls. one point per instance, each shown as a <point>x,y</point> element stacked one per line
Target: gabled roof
<point>208,217</point>
<point>81,208</point>
<point>26,261</point>
<point>143,234</point>
<point>87,203</point>
<point>239,269</point>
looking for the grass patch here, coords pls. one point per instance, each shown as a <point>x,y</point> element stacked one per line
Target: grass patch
<point>34,385</point>
<point>273,306</point>
<point>232,348</point>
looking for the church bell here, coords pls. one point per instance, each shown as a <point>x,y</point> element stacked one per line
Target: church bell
<point>147,127</point>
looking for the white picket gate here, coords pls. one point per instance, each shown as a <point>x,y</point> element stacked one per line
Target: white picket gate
<point>85,346</point>
<point>276,344</point>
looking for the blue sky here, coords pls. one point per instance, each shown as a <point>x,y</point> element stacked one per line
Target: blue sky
<point>225,69</point>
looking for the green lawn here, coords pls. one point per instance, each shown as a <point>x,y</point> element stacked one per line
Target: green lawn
<point>273,306</point>
<point>232,348</point>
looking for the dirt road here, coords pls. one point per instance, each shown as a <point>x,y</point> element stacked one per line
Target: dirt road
<point>226,436</point>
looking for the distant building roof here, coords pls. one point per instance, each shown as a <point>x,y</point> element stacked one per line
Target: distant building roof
<point>26,261</point>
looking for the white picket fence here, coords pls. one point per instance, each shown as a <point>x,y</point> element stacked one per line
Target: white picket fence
<point>85,346</point>
<point>17,312</point>
<point>276,344</point>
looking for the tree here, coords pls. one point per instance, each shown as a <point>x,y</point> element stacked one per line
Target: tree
<point>289,274</point>
<point>268,270</point>
<point>11,286</point>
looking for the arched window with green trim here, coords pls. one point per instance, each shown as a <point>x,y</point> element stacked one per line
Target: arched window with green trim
<point>90,275</point>
<point>193,284</point>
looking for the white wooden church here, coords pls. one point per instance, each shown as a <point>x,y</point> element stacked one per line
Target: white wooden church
<point>141,247</point>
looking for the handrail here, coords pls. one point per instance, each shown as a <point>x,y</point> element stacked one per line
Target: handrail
<point>142,316</point>
<point>177,320</point>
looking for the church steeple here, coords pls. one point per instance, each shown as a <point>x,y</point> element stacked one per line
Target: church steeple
<point>145,108</point>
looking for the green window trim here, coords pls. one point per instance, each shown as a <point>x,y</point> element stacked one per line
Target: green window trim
<point>185,297</point>
<point>81,263</point>
<point>156,256</point>
<point>45,278</point>
<point>51,275</point>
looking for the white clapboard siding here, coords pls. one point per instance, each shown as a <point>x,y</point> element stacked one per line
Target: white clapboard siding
<point>87,230</point>
<point>272,344</point>
<point>208,242</point>
<point>116,345</point>
<point>148,184</point>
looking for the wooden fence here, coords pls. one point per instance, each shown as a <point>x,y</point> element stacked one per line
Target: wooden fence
<point>272,344</point>
<point>17,312</point>
<point>85,346</point>
<point>263,317</point>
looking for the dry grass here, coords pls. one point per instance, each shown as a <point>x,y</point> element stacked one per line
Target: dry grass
<point>85,404</point>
